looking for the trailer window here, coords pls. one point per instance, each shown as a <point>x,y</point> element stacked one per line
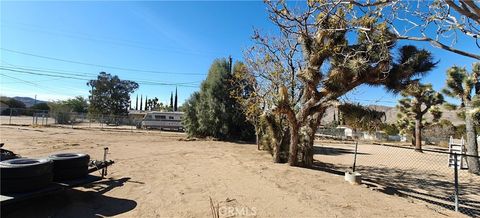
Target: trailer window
<point>170,117</point>
<point>160,117</point>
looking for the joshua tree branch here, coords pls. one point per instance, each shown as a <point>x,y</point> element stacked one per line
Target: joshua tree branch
<point>440,45</point>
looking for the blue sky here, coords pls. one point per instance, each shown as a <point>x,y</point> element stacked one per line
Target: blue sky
<point>176,40</point>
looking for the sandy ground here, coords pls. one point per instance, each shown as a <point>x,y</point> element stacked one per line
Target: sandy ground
<point>157,175</point>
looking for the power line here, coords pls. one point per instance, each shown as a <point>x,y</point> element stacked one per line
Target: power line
<point>98,65</point>
<point>33,84</point>
<point>81,74</point>
<point>32,72</point>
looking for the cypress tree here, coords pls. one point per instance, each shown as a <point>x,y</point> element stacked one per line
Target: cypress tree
<point>175,106</point>
<point>171,100</point>
<point>146,103</point>
<point>141,100</point>
<point>136,104</point>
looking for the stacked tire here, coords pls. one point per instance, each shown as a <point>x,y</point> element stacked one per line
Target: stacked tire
<point>69,166</point>
<point>25,174</point>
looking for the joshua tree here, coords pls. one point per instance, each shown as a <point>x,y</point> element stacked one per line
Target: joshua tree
<point>361,117</point>
<point>466,87</point>
<point>419,99</point>
<point>327,65</point>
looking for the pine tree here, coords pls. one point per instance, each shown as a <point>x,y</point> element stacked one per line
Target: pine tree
<point>213,111</point>
<point>141,100</point>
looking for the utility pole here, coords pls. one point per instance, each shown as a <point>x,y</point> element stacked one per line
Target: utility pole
<point>35,100</point>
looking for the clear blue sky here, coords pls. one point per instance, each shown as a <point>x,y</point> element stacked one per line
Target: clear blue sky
<point>177,40</point>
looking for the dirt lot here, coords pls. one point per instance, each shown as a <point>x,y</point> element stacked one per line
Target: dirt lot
<point>156,175</point>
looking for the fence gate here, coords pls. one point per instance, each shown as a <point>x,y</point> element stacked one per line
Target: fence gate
<point>457,146</point>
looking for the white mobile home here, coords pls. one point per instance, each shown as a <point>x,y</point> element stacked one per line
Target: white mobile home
<point>162,120</point>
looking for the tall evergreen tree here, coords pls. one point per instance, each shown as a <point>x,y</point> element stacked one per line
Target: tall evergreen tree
<point>175,106</point>
<point>141,100</point>
<point>146,103</point>
<point>171,101</point>
<point>213,111</point>
<point>136,103</point>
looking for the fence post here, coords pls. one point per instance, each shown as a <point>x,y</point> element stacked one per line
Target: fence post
<point>10,120</point>
<point>456,179</point>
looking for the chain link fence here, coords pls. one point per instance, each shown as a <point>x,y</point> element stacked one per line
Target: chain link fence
<point>32,117</point>
<point>429,176</point>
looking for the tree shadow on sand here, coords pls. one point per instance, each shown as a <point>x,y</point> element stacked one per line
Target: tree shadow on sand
<point>334,151</point>
<point>75,203</point>
<point>427,186</point>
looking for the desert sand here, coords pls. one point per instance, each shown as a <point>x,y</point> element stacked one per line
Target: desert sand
<point>157,174</point>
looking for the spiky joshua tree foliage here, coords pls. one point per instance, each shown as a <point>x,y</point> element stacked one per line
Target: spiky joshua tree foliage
<point>465,86</point>
<point>321,64</point>
<point>419,99</point>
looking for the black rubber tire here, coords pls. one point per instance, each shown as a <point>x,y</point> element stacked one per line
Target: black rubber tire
<point>25,168</point>
<point>70,174</point>
<point>69,160</point>
<point>19,185</point>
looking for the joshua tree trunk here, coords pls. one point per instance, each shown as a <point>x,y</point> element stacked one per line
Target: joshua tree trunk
<point>294,137</point>
<point>276,152</point>
<point>308,152</point>
<point>256,139</point>
<point>413,138</point>
<point>472,146</point>
<point>418,134</point>
<point>273,130</point>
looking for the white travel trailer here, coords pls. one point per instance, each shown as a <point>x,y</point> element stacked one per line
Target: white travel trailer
<point>162,120</point>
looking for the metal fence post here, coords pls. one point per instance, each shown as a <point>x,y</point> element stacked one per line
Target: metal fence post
<point>10,120</point>
<point>456,180</point>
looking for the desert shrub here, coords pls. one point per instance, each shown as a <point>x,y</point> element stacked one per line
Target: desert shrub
<point>61,112</point>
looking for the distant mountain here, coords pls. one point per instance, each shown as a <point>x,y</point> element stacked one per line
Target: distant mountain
<point>391,114</point>
<point>28,101</point>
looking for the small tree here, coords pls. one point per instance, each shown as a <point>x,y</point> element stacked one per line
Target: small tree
<point>418,100</point>
<point>153,104</point>
<point>40,106</point>
<point>246,93</point>
<point>466,87</point>
<point>360,117</point>
<point>78,104</point>
<point>61,112</point>
<point>110,95</point>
